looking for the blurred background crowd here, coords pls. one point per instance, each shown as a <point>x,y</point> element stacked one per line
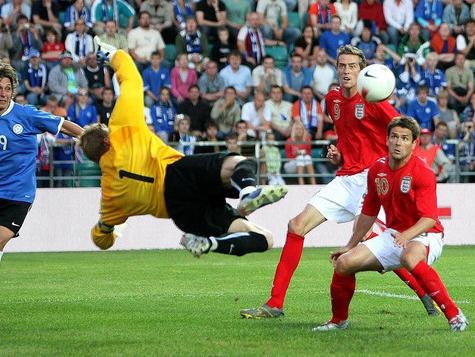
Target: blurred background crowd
<point>245,76</point>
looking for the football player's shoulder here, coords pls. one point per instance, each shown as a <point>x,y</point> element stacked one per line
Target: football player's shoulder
<point>379,165</point>
<point>334,93</point>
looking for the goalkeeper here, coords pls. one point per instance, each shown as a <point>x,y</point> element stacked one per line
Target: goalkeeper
<point>141,175</point>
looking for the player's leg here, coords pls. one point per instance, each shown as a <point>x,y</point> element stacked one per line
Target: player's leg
<point>5,235</point>
<point>415,258</point>
<point>343,284</point>
<point>239,173</point>
<point>12,216</point>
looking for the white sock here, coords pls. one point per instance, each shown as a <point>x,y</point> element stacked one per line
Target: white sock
<point>246,190</point>
<point>1,254</point>
<point>214,244</point>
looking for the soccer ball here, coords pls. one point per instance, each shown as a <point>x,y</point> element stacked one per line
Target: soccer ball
<point>376,83</point>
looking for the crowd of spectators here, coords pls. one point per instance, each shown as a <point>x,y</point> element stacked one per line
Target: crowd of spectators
<point>246,70</point>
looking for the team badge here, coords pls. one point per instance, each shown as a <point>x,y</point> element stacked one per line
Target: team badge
<point>17,129</point>
<point>382,185</point>
<point>359,111</point>
<point>336,111</point>
<point>406,184</point>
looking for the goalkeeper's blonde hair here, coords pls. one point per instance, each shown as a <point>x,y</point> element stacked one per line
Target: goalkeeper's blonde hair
<point>93,141</point>
<point>352,50</point>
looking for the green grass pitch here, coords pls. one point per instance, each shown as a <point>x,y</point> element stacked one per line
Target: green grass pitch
<point>166,303</point>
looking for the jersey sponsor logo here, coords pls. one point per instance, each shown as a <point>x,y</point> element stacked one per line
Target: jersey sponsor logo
<point>359,111</point>
<point>381,174</point>
<point>406,184</point>
<point>18,129</point>
<point>336,110</point>
<point>382,186</point>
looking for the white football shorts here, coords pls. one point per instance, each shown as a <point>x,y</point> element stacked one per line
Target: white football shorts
<point>389,254</point>
<point>342,199</point>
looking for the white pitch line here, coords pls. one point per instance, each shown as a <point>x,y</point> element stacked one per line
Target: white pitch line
<point>398,296</point>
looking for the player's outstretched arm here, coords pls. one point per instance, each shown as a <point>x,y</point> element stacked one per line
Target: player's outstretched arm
<point>103,235</point>
<point>71,129</point>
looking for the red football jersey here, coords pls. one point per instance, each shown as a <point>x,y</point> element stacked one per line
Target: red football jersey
<point>406,194</point>
<point>361,129</point>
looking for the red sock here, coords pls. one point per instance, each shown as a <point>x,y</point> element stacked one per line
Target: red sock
<point>430,281</point>
<point>409,279</point>
<point>342,289</point>
<point>289,260</point>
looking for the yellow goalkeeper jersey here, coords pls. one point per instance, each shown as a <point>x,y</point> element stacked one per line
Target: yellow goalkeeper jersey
<point>133,169</point>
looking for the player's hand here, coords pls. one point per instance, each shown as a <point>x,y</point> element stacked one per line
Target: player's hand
<point>103,240</point>
<point>400,240</point>
<point>334,154</point>
<point>336,254</point>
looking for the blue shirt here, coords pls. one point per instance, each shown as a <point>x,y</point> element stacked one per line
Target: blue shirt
<point>423,113</point>
<point>82,117</point>
<point>330,42</point>
<point>63,153</point>
<point>154,80</point>
<point>434,81</point>
<point>163,116</point>
<point>19,126</point>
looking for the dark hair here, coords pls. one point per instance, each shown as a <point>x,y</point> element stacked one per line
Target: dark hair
<point>165,88</point>
<point>194,86</point>
<point>240,122</point>
<point>276,86</point>
<point>155,53</point>
<point>407,122</point>
<point>7,71</point>
<point>22,17</point>
<point>232,88</point>
<point>306,87</point>
<point>231,136</point>
<point>144,12</point>
<point>295,54</point>
<point>108,88</point>
<point>93,141</point>
<point>267,57</point>
<point>235,53</point>
<point>441,123</point>
<point>210,123</point>
<point>422,87</point>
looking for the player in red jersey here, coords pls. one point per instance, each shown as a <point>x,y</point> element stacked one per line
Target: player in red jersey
<point>406,188</point>
<point>361,128</point>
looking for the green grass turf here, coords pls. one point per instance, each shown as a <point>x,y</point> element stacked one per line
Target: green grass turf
<point>168,303</point>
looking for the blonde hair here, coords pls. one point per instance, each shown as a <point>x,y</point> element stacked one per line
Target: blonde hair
<point>293,132</point>
<point>93,141</point>
<point>351,50</point>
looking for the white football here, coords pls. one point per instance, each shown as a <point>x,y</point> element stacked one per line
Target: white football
<point>376,83</point>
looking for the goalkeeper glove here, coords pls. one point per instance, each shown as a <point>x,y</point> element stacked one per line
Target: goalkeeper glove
<point>103,236</point>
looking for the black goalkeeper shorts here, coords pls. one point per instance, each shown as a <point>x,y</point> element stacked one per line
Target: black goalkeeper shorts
<point>195,196</point>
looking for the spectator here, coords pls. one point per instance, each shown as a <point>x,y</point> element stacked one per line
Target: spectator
<point>433,156</point>
<point>433,77</point>
<point>211,83</point>
<point>320,15</point>
<point>182,77</point>
<point>409,77</point>
<point>423,110</point>
<point>106,106</point>
<point>272,162</point>
<point>295,78</point>
<point>182,9</point>
<point>24,38</point>
<point>467,151</point>
<point>182,135</point>
<point>333,39</point>
<point>118,11</point>
<point>274,20</point>
<point>11,10</point>
<point>468,113</point>
<point>413,42</point>
<point>257,114</point>
<point>455,14</point>
<point>399,15</point>
<point>299,155</point>
<point>266,75</point>
<point>367,42</point>
<point>155,77</point>
<point>307,46</point>
<point>78,10</point>
<point>196,109</point>
<point>112,37</point>
<point>6,42</point>
<point>163,115</point>
<point>441,135</point>
<point>210,15</point>
<point>280,113</point>
<point>143,40</point>
<point>35,78</point>
<point>372,11</point>
<point>52,49</point>
<point>308,111</point>
<point>459,83</point>
<point>193,43</point>
<point>245,141</point>
<point>236,11</point>
<point>45,14</point>
<point>210,135</point>
<point>447,116</point>
<point>231,142</point>
<point>323,75</point>
<point>226,112</point>
<point>97,75</point>
<point>52,106</point>
<point>384,55</point>
<point>223,47</point>
<point>82,111</point>
<point>79,43</point>
<point>65,79</point>
<point>63,156</point>
<point>466,43</point>
<point>20,99</point>
<point>237,76</point>
<point>428,14</point>
<point>443,43</point>
<point>348,12</point>
<point>250,40</point>
<point>161,18</point>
